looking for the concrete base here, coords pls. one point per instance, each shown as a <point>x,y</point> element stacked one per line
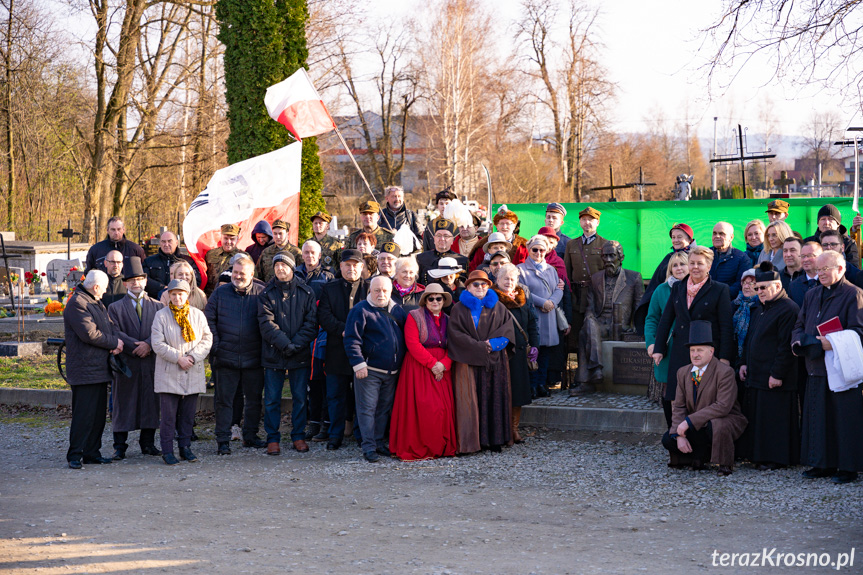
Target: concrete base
<point>609,383</point>
<point>20,349</point>
<point>593,419</point>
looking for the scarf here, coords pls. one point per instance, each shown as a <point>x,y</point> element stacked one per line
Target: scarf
<point>475,305</point>
<point>671,281</point>
<point>754,251</point>
<point>181,316</point>
<point>740,320</point>
<point>693,289</point>
<point>404,291</point>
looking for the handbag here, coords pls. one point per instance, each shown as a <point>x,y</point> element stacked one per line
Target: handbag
<point>119,366</point>
<point>562,322</point>
<point>531,365</point>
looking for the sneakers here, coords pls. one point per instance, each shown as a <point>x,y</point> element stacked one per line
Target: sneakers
<point>236,433</point>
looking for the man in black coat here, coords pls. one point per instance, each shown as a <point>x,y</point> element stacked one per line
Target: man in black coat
<point>158,265</point>
<point>116,240</point>
<point>232,312</point>
<point>443,235</point>
<point>769,370</point>
<point>337,299</point>
<point>832,421</point>
<point>312,270</point>
<point>829,218</point>
<point>91,338</point>
<point>287,314</point>
<point>116,290</point>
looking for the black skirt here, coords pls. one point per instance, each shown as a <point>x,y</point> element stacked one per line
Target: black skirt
<point>773,432</point>
<point>832,427</point>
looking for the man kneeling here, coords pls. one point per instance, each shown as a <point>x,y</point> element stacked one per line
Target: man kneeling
<point>705,414</point>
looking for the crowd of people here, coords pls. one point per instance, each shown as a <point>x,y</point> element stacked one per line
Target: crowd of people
<point>434,353</point>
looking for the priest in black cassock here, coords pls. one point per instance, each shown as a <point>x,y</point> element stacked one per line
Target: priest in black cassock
<point>136,405</point>
<point>444,232</point>
<point>832,422</point>
<point>769,371</point>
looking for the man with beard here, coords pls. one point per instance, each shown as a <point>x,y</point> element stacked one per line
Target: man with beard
<point>135,403</point>
<point>264,268</point>
<point>611,287</point>
<point>832,420</point>
<point>769,371</point>
<point>396,214</point>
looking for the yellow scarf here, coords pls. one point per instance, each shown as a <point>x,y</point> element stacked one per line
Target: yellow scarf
<point>181,315</point>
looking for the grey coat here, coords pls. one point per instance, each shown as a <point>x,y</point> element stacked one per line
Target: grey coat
<point>542,286</point>
<point>135,404</point>
<point>169,346</point>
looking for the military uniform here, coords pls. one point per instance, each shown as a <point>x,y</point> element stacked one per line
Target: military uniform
<point>218,260</point>
<point>264,269</point>
<point>582,261</point>
<point>381,235</point>
<point>330,250</point>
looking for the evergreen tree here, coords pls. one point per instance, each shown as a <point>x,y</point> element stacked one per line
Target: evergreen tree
<point>265,42</point>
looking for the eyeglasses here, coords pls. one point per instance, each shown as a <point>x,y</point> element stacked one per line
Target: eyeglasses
<point>479,285</point>
<point>824,270</point>
<point>113,261</point>
<point>830,244</point>
<point>760,288</point>
<point>496,264</point>
<point>537,250</point>
<point>434,298</point>
<point>443,237</point>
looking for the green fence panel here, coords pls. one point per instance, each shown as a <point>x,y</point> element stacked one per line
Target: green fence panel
<point>642,227</point>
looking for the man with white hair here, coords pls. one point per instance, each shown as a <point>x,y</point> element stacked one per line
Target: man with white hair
<point>729,263</point>
<point>312,270</point>
<point>395,212</point>
<point>91,338</point>
<point>375,346</point>
<point>832,420</point>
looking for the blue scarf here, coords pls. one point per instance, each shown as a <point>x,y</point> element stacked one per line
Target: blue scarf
<point>741,319</point>
<point>475,305</point>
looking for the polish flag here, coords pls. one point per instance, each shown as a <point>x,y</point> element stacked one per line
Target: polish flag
<point>296,104</point>
<point>266,187</point>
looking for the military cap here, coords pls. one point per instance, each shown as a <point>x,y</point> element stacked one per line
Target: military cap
<point>231,229</point>
<point>780,206</point>
<point>391,248</point>
<point>555,207</point>
<point>590,212</point>
<point>281,224</point>
<point>323,215</point>
<point>370,206</point>
<point>444,224</point>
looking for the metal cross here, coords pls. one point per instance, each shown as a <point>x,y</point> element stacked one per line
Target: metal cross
<point>639,185</point>
<point>611,185</point>
<point>741,157</point>
<point>68,233</point>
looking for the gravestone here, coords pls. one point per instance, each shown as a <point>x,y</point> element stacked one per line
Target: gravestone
<point>626,367</point>
<point>59,270</point>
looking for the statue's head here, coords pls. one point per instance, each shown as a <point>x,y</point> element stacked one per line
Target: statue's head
<point>612,257</point>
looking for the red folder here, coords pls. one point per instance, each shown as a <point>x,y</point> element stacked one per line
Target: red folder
<point>829,326</point>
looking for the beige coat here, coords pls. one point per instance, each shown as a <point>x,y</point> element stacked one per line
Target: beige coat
<point>169,346</point>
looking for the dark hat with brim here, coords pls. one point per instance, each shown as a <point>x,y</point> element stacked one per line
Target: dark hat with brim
<point>181,285</point>
<point>352,254</point>
<point>700,333</point>
<point>134,269</point>
<point>778,206</point>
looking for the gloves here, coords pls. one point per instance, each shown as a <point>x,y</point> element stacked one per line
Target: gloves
<point>290,350</point>
<point>532,354</point>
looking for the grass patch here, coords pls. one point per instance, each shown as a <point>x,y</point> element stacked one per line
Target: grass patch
<point>31,372</point>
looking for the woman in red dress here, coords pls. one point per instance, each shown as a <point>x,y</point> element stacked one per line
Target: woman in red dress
<point>423,420</point>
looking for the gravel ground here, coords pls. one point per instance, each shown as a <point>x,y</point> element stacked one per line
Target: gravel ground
<point>563,502</point>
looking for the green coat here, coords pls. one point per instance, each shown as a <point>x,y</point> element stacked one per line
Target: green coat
<point>657,304</point>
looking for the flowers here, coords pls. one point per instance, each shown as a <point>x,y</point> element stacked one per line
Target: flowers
<point>13,277</point>
<point>54,307</point>
<point>33,277</point>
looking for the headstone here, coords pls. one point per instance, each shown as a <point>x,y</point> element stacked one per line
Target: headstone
<point>59,270</point>
<point>20,348</point>
<point>632,366</point>
<point>8,236</point>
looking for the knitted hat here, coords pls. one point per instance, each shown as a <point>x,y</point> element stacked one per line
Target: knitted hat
<point>830,210</point>
<point>286,258</point>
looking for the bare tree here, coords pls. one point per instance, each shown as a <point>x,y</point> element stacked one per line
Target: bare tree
<point>808,41</point>
<point>821,130</point>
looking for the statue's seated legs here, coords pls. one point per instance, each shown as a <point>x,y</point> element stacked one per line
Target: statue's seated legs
<point>589,373</point>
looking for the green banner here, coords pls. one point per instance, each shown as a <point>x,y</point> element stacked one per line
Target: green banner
<point>642,227</point>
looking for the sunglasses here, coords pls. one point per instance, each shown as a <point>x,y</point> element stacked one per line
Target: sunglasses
<point>479,284</point>
<point>760,288</point>
<point>434,298</point>
<point>537,250</point>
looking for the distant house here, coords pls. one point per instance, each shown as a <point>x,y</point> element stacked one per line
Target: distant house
<point>806,171</point>
<point>848,164</point>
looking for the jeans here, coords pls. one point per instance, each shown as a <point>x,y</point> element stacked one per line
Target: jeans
<point>274,382</point>
<point>178,415</point>
<point>374,395</point>
<point>227,380</point>
<point>89,402</point>
<point>539,376</point>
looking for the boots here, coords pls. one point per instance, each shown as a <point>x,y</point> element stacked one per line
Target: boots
<point>516,417</point>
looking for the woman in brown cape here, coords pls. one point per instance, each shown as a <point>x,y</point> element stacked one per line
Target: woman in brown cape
<point>480,329</point>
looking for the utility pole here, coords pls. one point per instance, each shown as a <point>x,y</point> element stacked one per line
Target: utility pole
<point>714,192</point>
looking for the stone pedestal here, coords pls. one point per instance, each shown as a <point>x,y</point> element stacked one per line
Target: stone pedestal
<point>626,367</point>
<point>20,349</point>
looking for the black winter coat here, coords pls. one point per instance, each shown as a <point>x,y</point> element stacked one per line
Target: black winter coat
<point>710,304</point>
<point>158,270</point>
<point>767,348</point>
<point>98,251</point>
<point>115,292</point>
<point>233,318</point>
<point>288,316</point>
<point>90,337</point>
<point>316,278</point>
<point>332,313</point>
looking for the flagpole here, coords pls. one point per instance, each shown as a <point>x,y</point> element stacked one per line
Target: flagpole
<point>362,175</point>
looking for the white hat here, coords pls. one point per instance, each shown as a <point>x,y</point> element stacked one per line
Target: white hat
<point>445,267</point>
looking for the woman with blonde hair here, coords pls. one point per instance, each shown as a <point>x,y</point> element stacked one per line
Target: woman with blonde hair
<point>753,233</point>
<point>775,236</point>
<point>183,271</point>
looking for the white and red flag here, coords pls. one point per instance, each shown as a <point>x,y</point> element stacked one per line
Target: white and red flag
<point>296,104</point>
<point>266,187</point>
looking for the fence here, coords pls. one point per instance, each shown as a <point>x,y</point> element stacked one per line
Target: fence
<point>642,227</point>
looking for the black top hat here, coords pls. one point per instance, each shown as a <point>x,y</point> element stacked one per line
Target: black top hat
<point>700,333</point>
<point>134,269</point>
